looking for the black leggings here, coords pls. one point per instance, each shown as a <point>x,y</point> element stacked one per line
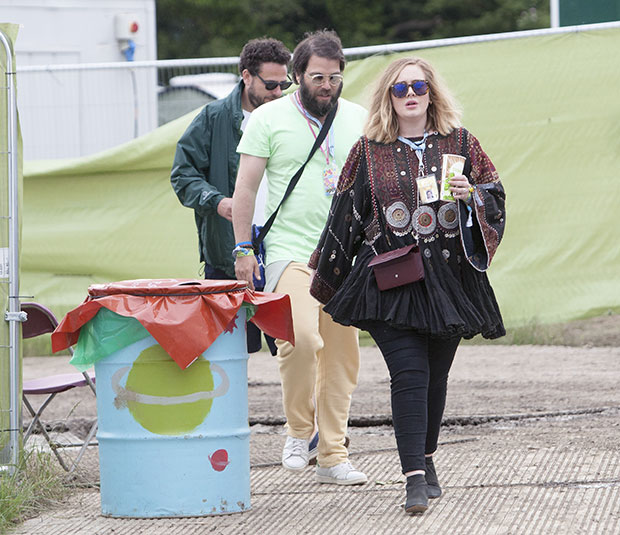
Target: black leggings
<point>419,367</point>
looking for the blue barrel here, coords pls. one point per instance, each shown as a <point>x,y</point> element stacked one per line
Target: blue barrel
<point>174,442</point>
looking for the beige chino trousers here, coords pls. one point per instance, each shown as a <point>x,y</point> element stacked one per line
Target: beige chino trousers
<point>323,364</point>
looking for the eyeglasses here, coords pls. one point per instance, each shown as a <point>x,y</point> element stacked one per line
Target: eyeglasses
<point>400,89</point>
<point>270,85</point>
<point>319,79</point>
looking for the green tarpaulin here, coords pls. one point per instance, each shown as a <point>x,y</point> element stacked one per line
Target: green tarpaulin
<point>545,109</point>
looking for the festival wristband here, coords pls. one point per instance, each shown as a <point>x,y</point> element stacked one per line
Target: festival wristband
<point>238,252</point>
<point>244,244</point>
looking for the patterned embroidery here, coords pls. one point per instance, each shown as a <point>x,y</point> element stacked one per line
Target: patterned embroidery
<point>342,249</point>
<point>393,190</point>
<point>398,218</point>
<point>349,171</point>
<point>448,216</point>
<point>372,232</point>
<point>357,215</point>
<point>482,169</point>
<point>435,223</point>
<point>424,220</point>
<point>397,215</point>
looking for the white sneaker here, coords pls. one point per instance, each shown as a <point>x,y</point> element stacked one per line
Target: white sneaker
<point>295,454</point>
<point>341,474</point>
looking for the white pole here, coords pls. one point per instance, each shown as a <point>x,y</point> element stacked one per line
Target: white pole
<point>13,315</point>
<point>554,8</point>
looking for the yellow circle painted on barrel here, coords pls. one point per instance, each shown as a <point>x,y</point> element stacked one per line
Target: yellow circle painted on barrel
<point>154,373</point>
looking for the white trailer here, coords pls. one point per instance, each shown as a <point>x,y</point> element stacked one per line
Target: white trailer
<point>56,117</point>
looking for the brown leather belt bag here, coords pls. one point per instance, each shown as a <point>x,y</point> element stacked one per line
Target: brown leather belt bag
<point>398,267</point>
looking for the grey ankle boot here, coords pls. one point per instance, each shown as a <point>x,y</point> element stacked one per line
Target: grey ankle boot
<point>417,497</point>
<point>434,490</point>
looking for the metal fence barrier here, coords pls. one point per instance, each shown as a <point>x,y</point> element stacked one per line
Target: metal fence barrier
<point>76,110</point>
<point>10,339</point>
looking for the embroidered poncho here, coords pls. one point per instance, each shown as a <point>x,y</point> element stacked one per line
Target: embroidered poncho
<point>455,297</point>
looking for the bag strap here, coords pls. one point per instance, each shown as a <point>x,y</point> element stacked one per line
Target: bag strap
<point>291,185</point>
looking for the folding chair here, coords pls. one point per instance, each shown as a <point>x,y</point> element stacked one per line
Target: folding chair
<point>41,320</point>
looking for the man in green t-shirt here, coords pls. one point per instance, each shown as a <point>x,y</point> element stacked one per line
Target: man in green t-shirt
<point>324,363</point>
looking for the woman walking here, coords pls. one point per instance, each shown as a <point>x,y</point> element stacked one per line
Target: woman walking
<point>391,199</point>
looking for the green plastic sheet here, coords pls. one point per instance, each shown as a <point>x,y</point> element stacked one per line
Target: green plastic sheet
<point>545,109</point>
<point>109,332</point>
<point>105,334</point>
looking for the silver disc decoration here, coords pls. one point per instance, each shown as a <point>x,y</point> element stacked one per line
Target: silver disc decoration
<point>424,220</point>
<point>448,216</point>
<point>398,217</point>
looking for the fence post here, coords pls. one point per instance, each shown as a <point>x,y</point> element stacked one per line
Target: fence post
<point>9,268</point>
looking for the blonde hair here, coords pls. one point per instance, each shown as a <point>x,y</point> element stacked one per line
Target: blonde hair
<point>443,114</point>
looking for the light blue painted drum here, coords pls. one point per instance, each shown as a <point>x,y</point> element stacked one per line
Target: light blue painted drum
<point>174,442</point>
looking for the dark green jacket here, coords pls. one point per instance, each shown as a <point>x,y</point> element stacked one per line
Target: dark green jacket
<point>204,172</point>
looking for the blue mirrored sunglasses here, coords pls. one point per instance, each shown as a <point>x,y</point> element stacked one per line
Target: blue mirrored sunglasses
<point>400,89</point>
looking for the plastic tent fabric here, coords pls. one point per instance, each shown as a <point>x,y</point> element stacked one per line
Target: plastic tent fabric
<point>544,108</point>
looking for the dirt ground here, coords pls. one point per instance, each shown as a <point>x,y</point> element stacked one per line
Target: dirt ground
<point>486,382</point>
<point>600,331</point>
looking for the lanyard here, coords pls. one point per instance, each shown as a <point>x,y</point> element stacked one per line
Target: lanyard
<point>419,147</point>
<point>329,140</point>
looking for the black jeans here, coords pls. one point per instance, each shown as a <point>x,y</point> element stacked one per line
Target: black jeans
<point>419,367</point>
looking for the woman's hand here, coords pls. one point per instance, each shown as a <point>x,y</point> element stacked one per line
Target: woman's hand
<point>460,187</point>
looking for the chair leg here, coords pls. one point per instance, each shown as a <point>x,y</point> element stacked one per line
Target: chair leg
<point>32,423</point>
<point>54,445</point>
<point>90,383</point>
<point>35,415</point>
<point>37,421</point>
<point>82,451</point>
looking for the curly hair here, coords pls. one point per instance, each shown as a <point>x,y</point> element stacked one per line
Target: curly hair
<point>443,115</point>
<point>263,50</point>
<point>323,43</point>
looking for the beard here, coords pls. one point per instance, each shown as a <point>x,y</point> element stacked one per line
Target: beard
<point>255,99</point>
<point>314,107</point>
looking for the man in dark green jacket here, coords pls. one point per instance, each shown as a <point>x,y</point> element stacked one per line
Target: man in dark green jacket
<point>205,164</point>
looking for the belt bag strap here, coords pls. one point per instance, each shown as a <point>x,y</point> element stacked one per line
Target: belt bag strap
<point>291,185</point>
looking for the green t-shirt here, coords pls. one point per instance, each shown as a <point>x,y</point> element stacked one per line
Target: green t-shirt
<point>279,132</point>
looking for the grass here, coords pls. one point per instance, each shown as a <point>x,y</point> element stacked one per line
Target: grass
<point>593,331</point>
<point>532,334</point>
<point>600,331</point>
<point>40,346</point>
<point>35,486</point>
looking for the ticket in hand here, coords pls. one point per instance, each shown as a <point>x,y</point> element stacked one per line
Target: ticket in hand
<point>451,165</point>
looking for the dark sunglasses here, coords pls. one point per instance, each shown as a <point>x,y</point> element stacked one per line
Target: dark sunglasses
<point>270,85</point>
<point>400,89</point>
